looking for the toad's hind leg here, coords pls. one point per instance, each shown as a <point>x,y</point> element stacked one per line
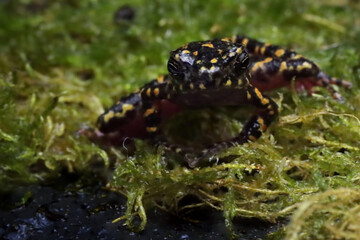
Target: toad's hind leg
<point>266,112</point>
<point>134,111</point>
<point>278,66</point>
<point>120,114</point>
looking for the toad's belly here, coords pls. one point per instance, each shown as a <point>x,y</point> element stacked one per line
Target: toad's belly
<point>211,98</point>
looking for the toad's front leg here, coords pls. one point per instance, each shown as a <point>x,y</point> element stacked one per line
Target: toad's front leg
<point>156,108</point>
<point>266,112</point>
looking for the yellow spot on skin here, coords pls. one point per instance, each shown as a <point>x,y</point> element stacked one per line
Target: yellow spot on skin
<point>256,49</point>
<point>108,116</point>
<point>198,61</point>
<point>260,121</point>
<point>228,83</point>
<point>283,66</point>
<point>149,111</point>
<point>212,68</point>
<point>195,53</point>
<point>245,41</point>
<point>225,56</point>
<point>177,57</point>
<point>151,129</point>
<point>185,51</point>
<point>203,69</point>
<point>160,79</point>
<point>156,91</point>
<point>225,39</point>
<point>240,82</point>
<point>238,50</point>
<point>208,45</point>
<point>297,56</point>
<point>232,54</point>
<point>263,100</point>
<point>263,48</point>
<point>260,64</point>
<point>125,108</point>
<point>248,95</point>
<point>220,51</point>
<point>252,138</point>
<point>262,124</point>
<point>148,92</point>
<point>119,114</point>
<point>268,59</point>
<point>279,52</point>
<point>202,86</point>
<point>258,93</point>
<point>214,60</point>
<point>305,65</point>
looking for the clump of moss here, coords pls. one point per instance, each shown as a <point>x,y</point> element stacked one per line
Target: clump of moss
<point>16,136</point>
<point>333,214</point>
<point>304,153</point>
<point>34,143</point>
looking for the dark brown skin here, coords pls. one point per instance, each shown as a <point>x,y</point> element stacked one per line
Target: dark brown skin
<point>220,72</point>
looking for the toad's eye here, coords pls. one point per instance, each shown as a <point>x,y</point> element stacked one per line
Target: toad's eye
<point>175,68</point>
<point>242,63</point>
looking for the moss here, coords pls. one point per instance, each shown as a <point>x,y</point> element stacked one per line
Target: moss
<point>62,62</point>
<point>328,215</point>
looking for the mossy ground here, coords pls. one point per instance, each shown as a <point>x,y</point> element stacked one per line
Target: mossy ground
<point>62,62</point>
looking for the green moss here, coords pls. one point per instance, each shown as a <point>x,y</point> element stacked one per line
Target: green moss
<point>62,62</point>
<point>327,215</point>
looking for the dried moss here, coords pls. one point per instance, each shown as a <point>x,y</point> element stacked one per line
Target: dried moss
<point>333,214</point>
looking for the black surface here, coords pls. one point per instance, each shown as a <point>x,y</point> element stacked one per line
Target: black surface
<point>124,13</point>
<point>54,214</point>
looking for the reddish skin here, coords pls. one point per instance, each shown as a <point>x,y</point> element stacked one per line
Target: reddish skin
<point>136,127</point>
<point>132,129</point>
